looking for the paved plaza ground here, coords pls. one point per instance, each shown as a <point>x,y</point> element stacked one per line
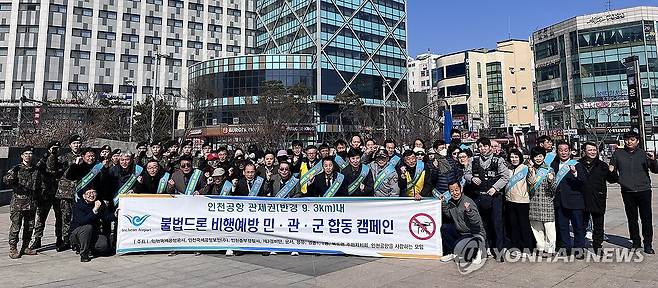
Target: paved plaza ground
<point>53,269</point>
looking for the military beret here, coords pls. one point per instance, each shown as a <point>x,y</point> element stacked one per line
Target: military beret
<point>75,138</point>
<point>185,158</point>
<point>106,147</point>
<point>116,151</point>
<point>186,143</point>
<point>142,144</point>
<point>53,143</point>
<point>156,143</point>
<point>27,149</point>
<point>86,150</point>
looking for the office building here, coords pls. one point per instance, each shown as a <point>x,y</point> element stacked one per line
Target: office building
<point>420,72</point>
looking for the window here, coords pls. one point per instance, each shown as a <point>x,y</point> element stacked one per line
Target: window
<point>52,85</point>
<point>214,9</point>
<point>214,46</point>
<point>5,6</point>
<point>55,52</point>
<point>195,25</point>
<point>104,56</point>
<point>546,49</point>
<point>26,52</point>
<point>479,67</point>
<point>456,90</point>
<point>195,6</point>
<point>77,86</point>
<point>174,23</point>
<point>156,2</point>
<point>214,28</point>
<point>550,95</point>
<point>27,29</point>
<point>154,20</point>
<point>28,7</point>
<point>233,12</point>
<point>57,8</point>
<point>106,35</point>
<point>174,42</point>
<point>194,44</point>
<point>479,90</point>
<point>81,33</point>
<point>455,70</point>
<point>79,54</point>
<point>174,62</point>
<point>151,40</point>
<point>548,72</point>
<point>107,14</point>
<point>131,17</point>
<point>130,38</point>
<point>83,11</point>
<point>176,3</point>
<point>129,58</point>
<point>233,30</point>
<point>56,30</point>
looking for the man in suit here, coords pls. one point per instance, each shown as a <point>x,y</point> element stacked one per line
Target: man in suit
<point>250,184</point>
<point>569,200</point>
<point>281,179</point>
<point>320,184</point>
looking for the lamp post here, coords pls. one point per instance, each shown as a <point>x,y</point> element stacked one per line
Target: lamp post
<point>157,57</point>
<point>385,98</point>
<point>131,83</point>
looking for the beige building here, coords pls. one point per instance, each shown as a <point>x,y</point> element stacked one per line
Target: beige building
<point>487,89</point>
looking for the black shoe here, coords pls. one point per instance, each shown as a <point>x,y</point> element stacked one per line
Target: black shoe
<point>649,250</point>
<point>637,246</point>
<point>36,244</point>
<point>265,253</point>
<point>75,248</point>
<point>238,253</point>
<point>85,258</point>
<point>63,247</point>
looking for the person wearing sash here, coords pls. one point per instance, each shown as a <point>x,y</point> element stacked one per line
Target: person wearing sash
<point>115,177</point>
<point>153,179</point>
<point>310,163</point>
<point>355,143</point>
<point>414,179</point>
<point>47,167</point>
<point>546,143</point>
<point>490,176</point>
<point>186,180</point>
<point>541,191</point>
<point>595,191</point>
<point>284,184</point>
<point>465,221</point>
<point>633,164</point>
<point>297,156</point>
<point>27,184</point>
<point>219,183</point>
<point>569,200</point>
<point>250,184</point>
<point>329,183</point>
<point>81,174</point>
<point>518,203</point>
<point>358,176</point>
<point>385,175</point>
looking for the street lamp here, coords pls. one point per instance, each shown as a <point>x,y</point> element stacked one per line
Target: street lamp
<point>385,98</point>
<point>157,57</point>
<point>131,83</point>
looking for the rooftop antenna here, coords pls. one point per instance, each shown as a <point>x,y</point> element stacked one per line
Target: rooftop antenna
<point>608,4</point>
<point>509,28</point>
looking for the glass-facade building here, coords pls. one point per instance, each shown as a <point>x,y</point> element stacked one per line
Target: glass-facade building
<point>354,46</point>
<point>581,78</point>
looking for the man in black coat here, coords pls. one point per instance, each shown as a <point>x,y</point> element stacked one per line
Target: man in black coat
<point>595,191</point>
<point>148,182</point>
<point>320,184</point>
<point>250,181</point>
<point>569,200</point>
<point>357,185</point>
<point>89,214</point>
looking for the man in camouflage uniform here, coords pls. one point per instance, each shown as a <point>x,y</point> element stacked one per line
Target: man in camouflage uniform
<point>47,166</point>
<point>140,156</point>
<point>64,195</point>
<point>27,182</point>
<point>157,155</point>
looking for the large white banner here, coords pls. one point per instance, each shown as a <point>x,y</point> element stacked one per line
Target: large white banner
<point>377,227</point>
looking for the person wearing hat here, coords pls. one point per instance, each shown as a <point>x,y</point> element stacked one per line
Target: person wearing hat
<point>47,166</point>
<point>281,179</point>
<point>115,156</point>
<point>415,179</point>
<point>281,156</point>
<point>183,176</point>
<point>358,176</point>
<point>384,176</point>
<point>172,153</point>
<point>157,155</point>
<point>141,156</point>
<point>27,183</point>
<point>105,152</point>
<point>65,190</point>
<point>632,165</point>
<point>218,183</point>
<point>152,180</point>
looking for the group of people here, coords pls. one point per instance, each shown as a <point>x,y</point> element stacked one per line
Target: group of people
<point>500,195</point>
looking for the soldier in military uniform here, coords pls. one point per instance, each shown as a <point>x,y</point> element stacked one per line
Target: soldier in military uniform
<point>64,197</point>
<point>27,182</point>
<point>47,166</point>
<point>105,152</point>
<point>157,155</point>
<point>140,156</point>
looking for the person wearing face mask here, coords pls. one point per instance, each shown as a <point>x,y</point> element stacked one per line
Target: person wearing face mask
<point>517,207</point>
<point>632,165</point>
<point>541,192</point>
<point>442,172</point>
<point>385,175</point>
<point>595,191</point>
<point>27,184</point>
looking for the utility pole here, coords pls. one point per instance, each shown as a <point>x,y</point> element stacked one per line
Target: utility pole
<point>173,117</point>
<point>153,99</point>
<point>385,98</point>
<point>20,114</point>
<point>132,108</point>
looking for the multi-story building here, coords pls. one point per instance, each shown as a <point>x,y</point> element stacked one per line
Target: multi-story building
<point>581,81</point>
<point>356,46</point>
<point>487,89</point>
<point>56,49</point>
<point>420,72</point>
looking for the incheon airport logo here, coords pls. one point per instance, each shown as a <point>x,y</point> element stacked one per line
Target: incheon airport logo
<point>137,221</point>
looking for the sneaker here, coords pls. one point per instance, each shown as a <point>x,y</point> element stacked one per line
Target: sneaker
<point>478,258</point>
<point>588,235</point>
<point>84,258</point>
<point>272,253</point>
<point>65,246</point>
<point>448,258</point>
<point>649,250</point>
<point>294,254</point>
<point>229,253</point>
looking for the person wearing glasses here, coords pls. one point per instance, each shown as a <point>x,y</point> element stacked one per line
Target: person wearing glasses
<point>178,184</point>
<point>415,179</point>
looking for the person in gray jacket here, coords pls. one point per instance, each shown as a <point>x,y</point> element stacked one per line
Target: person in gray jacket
<point>633,165</point>
<point>466,220</point>
<point>385,181</point>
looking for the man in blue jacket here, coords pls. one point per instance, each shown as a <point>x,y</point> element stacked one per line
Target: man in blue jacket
<point>569,200</point>
<point>88,217</point>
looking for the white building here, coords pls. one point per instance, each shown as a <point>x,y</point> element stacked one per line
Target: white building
<point>420,72</point>
<point>57,48</point>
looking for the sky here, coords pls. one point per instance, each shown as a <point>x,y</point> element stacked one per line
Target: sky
<point>446,26</point>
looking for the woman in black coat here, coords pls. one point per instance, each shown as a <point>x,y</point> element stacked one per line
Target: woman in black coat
<point>595,191</point>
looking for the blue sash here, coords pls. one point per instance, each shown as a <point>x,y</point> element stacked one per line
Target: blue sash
<point>446,195</point>
<point>334,186</point>
<point>516,178</point>
<point>541,175</point>
<point>563,172</point>
<point>129,184</point>
<point>162,184</point>
<point>384,175</point>
<point>317,169</point>
<point>88,178</point>
<point>340,161</point>
<point>550,156</point>
<point>226,188</point>
<point>256,187</point>
<point>194,179</point>
<point>420,167</point>
<point>286,189</point>
<point>357,182</point>
<point>464,147</point>
<point>394,160</point>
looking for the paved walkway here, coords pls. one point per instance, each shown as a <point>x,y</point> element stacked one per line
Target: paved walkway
<point>52,269</point>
